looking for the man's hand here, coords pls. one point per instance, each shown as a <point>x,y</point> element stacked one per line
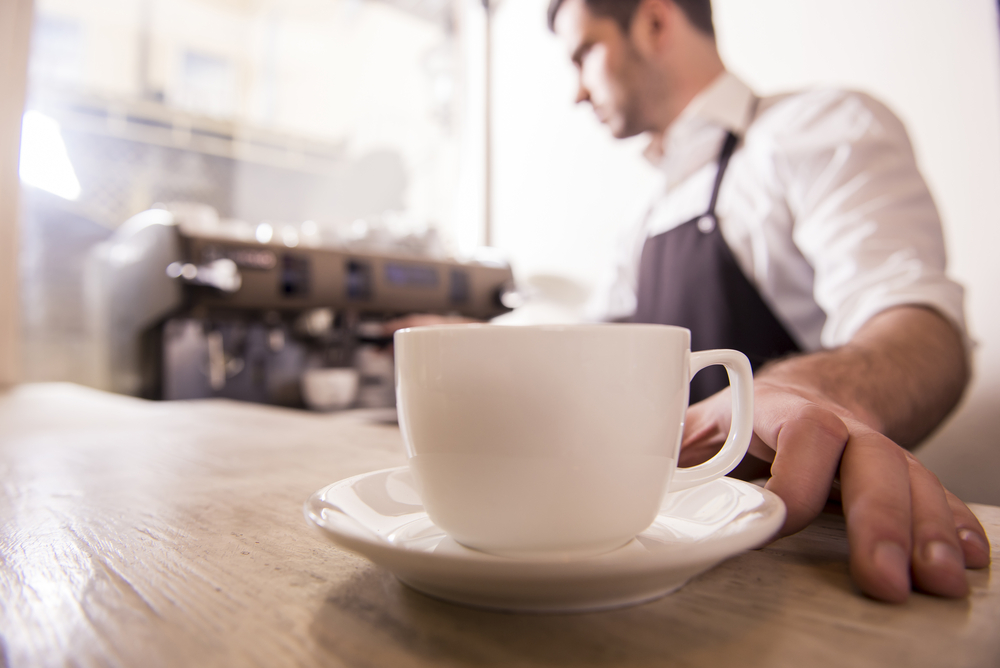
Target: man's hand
<point>813,424</point>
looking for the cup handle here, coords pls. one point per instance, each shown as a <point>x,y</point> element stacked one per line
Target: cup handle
<point>740,431</point>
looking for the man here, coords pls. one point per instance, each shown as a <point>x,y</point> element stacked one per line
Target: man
<point>797,230</point>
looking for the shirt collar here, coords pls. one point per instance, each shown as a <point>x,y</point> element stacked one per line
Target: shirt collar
<point>726,103</point>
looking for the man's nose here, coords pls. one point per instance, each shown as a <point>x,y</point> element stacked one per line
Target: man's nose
<point>582,94</point>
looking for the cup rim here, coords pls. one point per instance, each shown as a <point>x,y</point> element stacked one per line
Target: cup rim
<point>558,327</point>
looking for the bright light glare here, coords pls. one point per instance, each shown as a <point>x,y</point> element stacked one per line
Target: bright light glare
<point>44,161</point>
<point>264,233</point>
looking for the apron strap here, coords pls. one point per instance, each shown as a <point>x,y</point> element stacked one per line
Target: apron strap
<point>728,147</point>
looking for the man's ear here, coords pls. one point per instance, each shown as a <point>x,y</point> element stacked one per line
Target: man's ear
<point>653,25</point>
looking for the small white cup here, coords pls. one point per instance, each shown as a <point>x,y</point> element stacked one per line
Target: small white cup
<point>329,389</point>
<point>554,440</point>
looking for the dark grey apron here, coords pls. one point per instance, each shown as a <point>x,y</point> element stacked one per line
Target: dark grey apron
<point>689,277</point>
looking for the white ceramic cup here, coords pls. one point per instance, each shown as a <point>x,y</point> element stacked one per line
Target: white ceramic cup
<point>555,439</point>
<point>329,389</point>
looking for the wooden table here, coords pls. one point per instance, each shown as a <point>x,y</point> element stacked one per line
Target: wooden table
<point>171,534</point>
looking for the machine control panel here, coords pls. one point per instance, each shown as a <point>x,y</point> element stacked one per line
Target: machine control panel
<point>278,278</point>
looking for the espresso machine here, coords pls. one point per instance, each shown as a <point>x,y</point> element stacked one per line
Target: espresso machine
<point>184,311</point>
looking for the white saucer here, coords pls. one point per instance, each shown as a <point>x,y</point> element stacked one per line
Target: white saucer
<point>379,515</point>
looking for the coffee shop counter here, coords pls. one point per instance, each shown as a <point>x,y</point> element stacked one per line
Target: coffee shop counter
<point>171,534</point>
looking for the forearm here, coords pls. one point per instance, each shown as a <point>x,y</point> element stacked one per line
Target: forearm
<point>902,373</point>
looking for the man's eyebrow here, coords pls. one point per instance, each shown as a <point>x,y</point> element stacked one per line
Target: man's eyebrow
<point>580,52</point>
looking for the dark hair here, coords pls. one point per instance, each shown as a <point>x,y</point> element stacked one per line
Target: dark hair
<point>698,12</point>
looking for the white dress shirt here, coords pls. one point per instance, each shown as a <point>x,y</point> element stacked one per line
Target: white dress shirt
<point>822,206</point>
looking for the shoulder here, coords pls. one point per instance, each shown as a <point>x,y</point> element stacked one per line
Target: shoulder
<point>825,117</point>
<point>827,136</point>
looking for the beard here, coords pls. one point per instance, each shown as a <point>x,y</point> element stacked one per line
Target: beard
<point>629,96</point>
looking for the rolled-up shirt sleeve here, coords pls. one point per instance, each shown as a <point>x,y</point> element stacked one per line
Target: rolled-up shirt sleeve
<point>863,216</point>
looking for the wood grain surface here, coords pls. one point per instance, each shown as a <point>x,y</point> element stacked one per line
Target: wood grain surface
<point>171,534</point>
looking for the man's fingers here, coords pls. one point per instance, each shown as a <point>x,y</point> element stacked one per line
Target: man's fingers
<point>875,486</point>
<point>938,561</point>
<point>975,545</point>
<point>706,425</point>
<point>807,451</point>
<point>900,521</point>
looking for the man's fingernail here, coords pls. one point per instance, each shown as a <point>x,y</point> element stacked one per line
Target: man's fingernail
<point>970,536</point>
<point>943,555</point>
<point>893,563</point>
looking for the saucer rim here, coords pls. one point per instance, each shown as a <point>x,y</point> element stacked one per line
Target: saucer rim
<point>771,514</point>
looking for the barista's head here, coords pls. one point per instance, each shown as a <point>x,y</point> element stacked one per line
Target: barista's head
<point>698,12</point>
<point>639,61</point>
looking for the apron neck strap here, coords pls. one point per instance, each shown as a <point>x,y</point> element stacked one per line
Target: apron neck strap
<point>727,152</point>
<point>728,148</point>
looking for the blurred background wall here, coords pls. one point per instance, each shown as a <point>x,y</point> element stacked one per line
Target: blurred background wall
<point>564,187</point>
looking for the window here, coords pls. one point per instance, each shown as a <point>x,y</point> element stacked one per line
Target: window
<point>296,117</point>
